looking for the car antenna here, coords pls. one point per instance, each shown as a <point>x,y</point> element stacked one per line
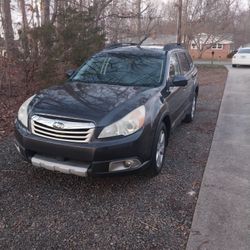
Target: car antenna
<point>142,41</point>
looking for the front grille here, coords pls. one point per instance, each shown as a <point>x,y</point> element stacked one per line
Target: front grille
<point>62,130</point>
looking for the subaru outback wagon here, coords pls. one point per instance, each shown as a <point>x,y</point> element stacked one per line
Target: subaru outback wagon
<point>114,115</point>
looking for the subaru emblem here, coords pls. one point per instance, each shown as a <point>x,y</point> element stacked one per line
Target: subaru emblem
<point>58,125</point>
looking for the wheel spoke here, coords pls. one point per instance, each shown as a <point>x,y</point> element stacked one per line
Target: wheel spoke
<point>193,107</point>
<point>160,149</point>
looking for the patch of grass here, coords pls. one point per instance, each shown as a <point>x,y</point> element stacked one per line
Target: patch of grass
<point>211,66</point>
<point>212,74</point>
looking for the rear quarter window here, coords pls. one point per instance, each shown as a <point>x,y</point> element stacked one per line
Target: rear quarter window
<point>190,60</point>
<point>184,62</point>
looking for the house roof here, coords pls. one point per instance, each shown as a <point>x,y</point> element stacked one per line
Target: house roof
<point>226,42</point>
<point>210,39</point>
<point>160,39</point>
<point>153,51</point>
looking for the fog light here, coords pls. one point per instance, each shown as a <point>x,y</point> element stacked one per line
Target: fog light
<point>124,165</point>
<point>130,163</point>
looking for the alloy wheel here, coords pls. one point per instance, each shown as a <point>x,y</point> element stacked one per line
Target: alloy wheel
<point>160,149</point>
<point>193,107</point>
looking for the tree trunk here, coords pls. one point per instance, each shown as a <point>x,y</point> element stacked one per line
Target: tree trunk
<point>60,10</point>
<point>8,29</point>
<point>45,11</point>
<point>24,16</point>
<point>53,18</point>
<point>24,37</point>
<point>37,14</point>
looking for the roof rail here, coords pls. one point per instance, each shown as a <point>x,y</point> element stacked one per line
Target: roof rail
<point>118,45</point>
<point>171,46</point>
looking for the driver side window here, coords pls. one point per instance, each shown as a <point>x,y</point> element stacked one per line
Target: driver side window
<point>174,69</point>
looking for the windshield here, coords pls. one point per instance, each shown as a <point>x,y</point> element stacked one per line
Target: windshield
<point>244,51</point>
<point>128,70</point>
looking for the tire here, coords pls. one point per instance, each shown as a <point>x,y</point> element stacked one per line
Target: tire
<point>158,151</point>
<point>234,65</point>
<point>191,114</point>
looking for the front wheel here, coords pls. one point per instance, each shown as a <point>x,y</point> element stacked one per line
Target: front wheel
<point>159,149</point>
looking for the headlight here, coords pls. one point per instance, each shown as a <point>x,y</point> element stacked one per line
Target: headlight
<point>128,125</point>
<point>23,112</point>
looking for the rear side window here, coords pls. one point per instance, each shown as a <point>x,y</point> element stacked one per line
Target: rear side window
<point>184,63</point>
<point>244,51</point>
<point>174,69</point>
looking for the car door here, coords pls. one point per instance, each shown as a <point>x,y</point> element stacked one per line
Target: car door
<point>188,71</point>
<point>175,98</point>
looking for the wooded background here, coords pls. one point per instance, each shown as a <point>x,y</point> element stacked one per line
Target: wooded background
<point>41,39</point>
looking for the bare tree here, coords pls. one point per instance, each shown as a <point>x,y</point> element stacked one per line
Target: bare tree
<point>37,13</point>
<point>208,22</point>
<point>241,31</point>
<point>24,15</point>
<point>8,29</point>
<point>55,11</point>
<point>23,32</point>
<point>45,11</point>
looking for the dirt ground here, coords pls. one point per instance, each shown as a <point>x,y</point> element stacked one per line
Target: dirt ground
<point>42,209</point>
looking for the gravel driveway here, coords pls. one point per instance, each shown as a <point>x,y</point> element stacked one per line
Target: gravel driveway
<point>45,210</point>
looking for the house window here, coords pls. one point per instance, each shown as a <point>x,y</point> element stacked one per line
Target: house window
<point>217,46</point>
<point>193,46</point>
<point>220,46</point>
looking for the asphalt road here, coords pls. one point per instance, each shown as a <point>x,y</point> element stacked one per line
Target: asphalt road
<point>46,210</point>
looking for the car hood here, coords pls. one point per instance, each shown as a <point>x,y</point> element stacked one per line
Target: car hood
<point>99,103</point>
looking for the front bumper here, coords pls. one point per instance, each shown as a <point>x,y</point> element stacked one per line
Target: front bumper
<point>84,159</point>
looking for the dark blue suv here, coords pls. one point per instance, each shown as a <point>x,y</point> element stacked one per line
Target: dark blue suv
<point>114,114</point>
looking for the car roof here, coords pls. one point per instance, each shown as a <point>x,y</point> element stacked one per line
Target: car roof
<point>147,50</point>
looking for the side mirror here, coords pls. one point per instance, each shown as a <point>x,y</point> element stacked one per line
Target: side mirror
<point>70,73</point>
<point>180,81</point>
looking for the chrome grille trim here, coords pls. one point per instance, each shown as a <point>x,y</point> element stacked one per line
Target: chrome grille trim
<point>70,131</point>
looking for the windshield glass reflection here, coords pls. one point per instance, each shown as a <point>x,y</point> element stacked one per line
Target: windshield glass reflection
<point>128,70</point>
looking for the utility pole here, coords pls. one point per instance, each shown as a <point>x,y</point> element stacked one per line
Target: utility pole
<point>138,10</point>
<point>179,23</point>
